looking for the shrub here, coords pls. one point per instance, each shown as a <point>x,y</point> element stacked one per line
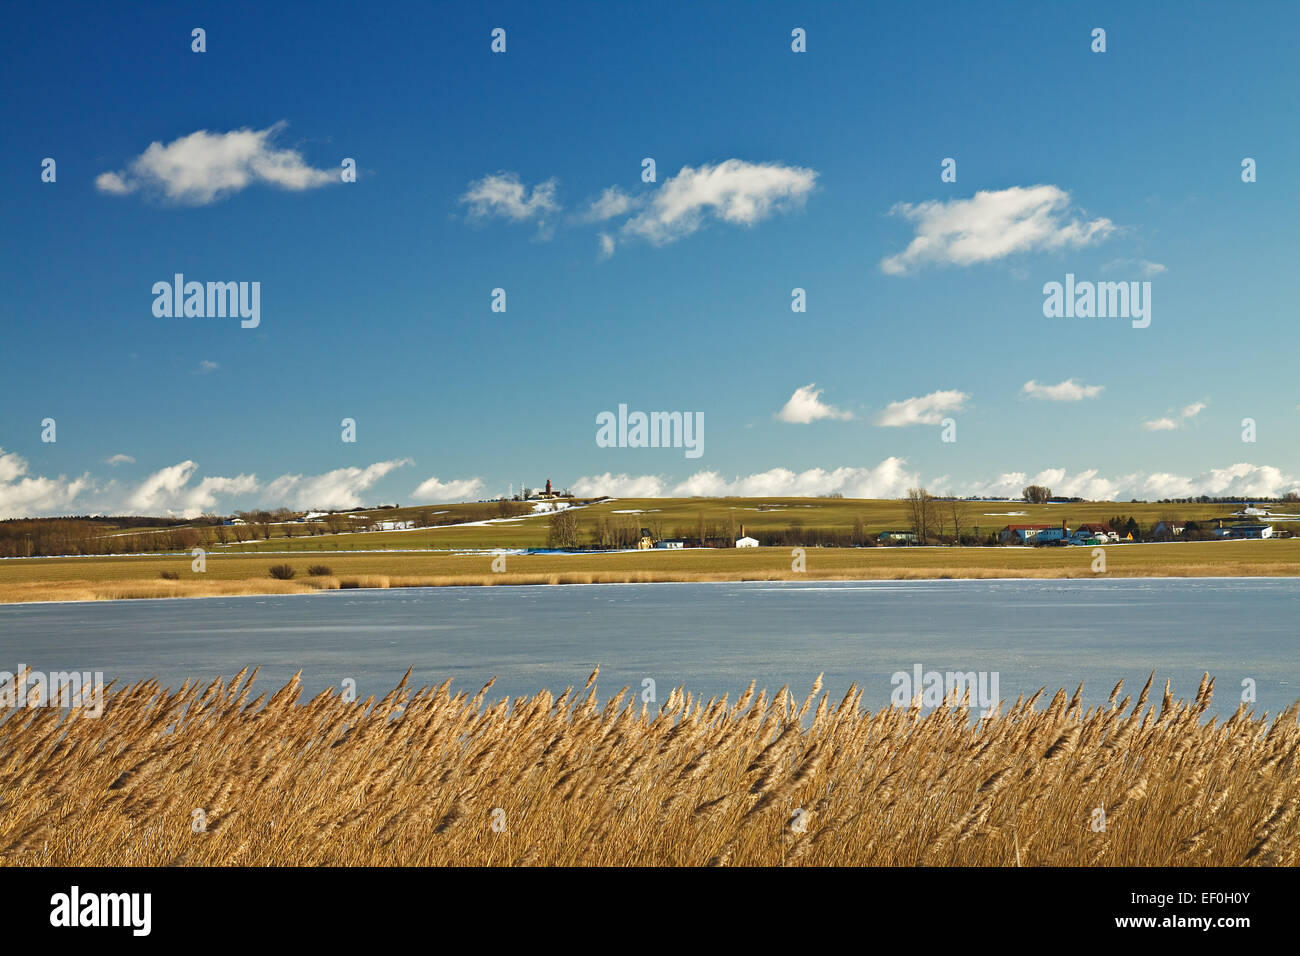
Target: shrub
<point>169,575</point>
<point>319,571</point>
<point>282,572</point>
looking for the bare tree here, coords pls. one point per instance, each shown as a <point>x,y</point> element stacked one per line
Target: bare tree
<point>957,515</point>
<point>563,530</point>
<point>922,513</point>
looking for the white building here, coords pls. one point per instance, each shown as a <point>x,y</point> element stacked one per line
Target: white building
<point>747,542</point>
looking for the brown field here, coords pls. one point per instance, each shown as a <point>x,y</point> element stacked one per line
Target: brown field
<point>210,776</point>
<point>116,578</point>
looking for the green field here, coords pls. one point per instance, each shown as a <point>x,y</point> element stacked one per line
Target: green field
<point>446,555</point>
<point>720,514</point>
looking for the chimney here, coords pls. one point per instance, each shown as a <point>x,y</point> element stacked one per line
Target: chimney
<point>742,530</point>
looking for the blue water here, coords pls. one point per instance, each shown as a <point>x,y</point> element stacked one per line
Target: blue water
<point>712,638</point>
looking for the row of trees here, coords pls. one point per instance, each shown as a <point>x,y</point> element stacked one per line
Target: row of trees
<point>943,520</point>
<point>76,536</point>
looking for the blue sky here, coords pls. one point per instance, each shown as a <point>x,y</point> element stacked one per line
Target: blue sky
<point>775,170</point>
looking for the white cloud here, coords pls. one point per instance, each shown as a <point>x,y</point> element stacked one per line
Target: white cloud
<point>23,496</point>
<point>119,460</point>
<point>1143,267</point>
<point>30,497</point>
<point>1170,423</point>
<point>1067,391</point>
<point>172,490</point>
<point>206,366</point>
<point>1240,480</point>
<point>168,491</point>
<point>433,490</point>
<point>1160,425</point>
<point>1087,484</point>
<point>806,406</point>
<point>113,183</point>
<point>504,196</point>
<point>733,191</point>
<point>606,245</point>
<point>612,202</point>
<point>619,486</point>
<point>889,479</point>
<point>202,167</point>
<point>161,486</point>
<point>12,465</point>
<point>340,488</point>
<point>925,410</point>
<point>991,225</point>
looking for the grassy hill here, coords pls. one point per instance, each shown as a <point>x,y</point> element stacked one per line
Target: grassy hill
<point>674,517</point>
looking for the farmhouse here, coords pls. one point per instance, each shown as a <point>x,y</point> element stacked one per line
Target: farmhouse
<point>747,542</point>
<point>1245,531</point>
<point>898,537</point>
<point>1052,535</point>
<point>1021,533</point>
<point>670,545</point>
<point>1169,528</point>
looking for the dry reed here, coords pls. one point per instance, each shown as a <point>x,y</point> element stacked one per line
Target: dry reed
<point>210,775</point>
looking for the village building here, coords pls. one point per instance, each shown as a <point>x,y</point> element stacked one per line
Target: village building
<point>1021,533</point>
<point>1052,535</point>
<point>898,537</point>
<point>1244,531</point>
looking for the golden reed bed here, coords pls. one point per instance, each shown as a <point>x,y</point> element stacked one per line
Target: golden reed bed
<point>210,776</point>
<point>17,592</point>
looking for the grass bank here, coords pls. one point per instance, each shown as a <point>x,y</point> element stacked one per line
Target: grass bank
<point>118,578</point>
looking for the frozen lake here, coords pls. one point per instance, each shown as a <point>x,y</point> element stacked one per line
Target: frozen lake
<point>713,638</point>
